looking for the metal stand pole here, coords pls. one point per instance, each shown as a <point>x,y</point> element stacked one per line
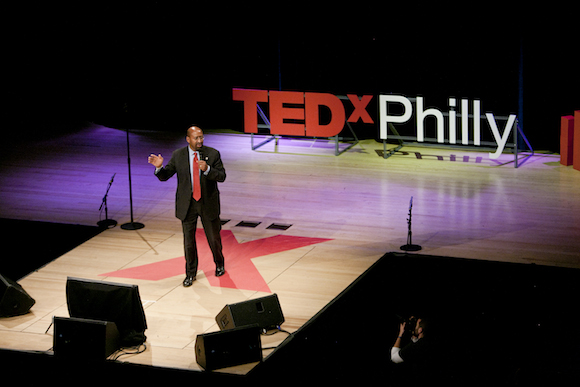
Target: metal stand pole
<point>107,223</point>
<point>131,225</point>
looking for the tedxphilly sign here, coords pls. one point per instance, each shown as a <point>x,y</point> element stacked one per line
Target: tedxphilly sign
<point>294,113</point>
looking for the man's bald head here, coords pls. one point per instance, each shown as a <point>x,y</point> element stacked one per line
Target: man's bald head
<point>194,137</point>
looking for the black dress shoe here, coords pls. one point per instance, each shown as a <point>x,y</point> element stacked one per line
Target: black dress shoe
<point>220,271</point>
<point>188,281</point>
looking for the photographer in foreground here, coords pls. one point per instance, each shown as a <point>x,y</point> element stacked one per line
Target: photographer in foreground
<point>411,344</point>
<point>415,351</point>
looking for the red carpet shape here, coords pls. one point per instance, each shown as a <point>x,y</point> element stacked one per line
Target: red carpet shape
<point>240,270</point>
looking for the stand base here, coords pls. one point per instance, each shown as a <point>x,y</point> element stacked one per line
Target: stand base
<point>132,226</point>
<point>411,247</point>
<point>107,223</point>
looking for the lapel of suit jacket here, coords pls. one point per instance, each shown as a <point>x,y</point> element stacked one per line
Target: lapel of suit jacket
<point>185,167</point>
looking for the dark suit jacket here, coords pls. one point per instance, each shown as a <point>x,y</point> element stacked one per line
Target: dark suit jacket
<point>210,195</point>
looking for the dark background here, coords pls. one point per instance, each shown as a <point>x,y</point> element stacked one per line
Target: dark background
<point>160,66</point>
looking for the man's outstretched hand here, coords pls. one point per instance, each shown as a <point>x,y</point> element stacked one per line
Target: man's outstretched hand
<point>156,160</point>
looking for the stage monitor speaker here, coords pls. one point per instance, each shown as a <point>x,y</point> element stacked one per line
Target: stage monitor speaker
<point>84,340</point>
<point>228,348</point>
<point>14,300</point>
<point>264,312</point>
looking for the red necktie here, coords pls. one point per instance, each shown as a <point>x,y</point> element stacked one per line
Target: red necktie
<point>196,186</point>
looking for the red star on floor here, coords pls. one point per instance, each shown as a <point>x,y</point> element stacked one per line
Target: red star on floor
<point>240,270</point>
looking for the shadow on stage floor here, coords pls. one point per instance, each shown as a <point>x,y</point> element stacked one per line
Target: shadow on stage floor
<point>492,323</point>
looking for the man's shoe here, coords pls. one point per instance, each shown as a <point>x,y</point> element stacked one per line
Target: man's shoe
<point>220,271</point>
<point>188,281</point>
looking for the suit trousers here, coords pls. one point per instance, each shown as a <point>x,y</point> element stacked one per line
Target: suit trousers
<point>212,228</point>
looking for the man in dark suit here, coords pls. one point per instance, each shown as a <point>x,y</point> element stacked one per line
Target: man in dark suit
<point>199,168</point>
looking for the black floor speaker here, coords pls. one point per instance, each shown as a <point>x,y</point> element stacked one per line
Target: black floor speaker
<point>264,312</point>
<point>84,340</point>
<point>14,301</point>
<point>228,348</point>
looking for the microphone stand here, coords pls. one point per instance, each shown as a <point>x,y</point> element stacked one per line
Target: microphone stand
<point>131,225</point>
<point>107,223</point>
<point>410,246</point>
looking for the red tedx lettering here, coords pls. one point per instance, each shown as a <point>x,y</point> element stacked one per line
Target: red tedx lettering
<point>278,113</point>
<point>313,127</point>
<point>302,110</point>
<point>360,108</point>
<point>250,98</point>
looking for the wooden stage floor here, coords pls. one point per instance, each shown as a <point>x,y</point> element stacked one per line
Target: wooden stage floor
<point>344,213</point>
